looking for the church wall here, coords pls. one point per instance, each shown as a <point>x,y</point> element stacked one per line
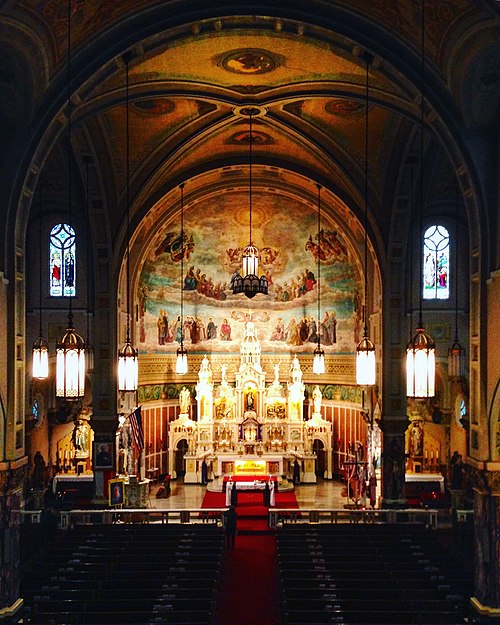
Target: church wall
<point>155,421</point>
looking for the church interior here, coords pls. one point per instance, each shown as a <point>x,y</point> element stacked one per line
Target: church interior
<point>251,261</point>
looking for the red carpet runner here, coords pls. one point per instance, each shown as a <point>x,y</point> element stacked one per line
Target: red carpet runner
<point>249,589</point>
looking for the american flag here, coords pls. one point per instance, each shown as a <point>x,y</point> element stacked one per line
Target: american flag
<point>136,425</point>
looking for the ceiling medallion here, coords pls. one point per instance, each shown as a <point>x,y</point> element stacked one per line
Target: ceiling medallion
<point>343,106</point>
<point>243,138</point>
<point>250,61</point>
<point>154,106</point>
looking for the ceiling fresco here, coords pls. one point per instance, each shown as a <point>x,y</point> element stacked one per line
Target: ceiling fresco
<point>215,234</point>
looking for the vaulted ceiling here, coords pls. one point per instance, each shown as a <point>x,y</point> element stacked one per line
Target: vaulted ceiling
<point>194,70</point>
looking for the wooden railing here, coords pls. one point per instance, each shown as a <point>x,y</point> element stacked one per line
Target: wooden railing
<point>277,517</point>
<point>280,517</point>
<point>69,518</point>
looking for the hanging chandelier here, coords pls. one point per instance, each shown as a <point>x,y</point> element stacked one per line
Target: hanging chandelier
<point>421,349</point>
<point>70,351</point>
<point>319,354</point>
<point>89,348</point>
<point>181,363</point>
<point>456,353</point>
<point>365,350</point>
<point>248,282</point>
<point>40,348</point>
<point>128,365</point>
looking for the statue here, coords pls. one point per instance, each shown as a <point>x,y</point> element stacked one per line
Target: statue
<point>317,397</point>
<point>79,438</point>
<point>205,373</point>
<point>296,371</point>
<point>276,375</point>
<point>184,400</point>
<point>416,440</point>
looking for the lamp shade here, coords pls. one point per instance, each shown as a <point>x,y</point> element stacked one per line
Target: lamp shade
<point>456,361</point>
<point>420,365</point>
<point>319,361</point>
<point>128,368</point>
<point>181,364</point>
<point>250,261</point>
<point>89,356</point>
<point>365,362</point>
<point>40,359</point>
<point>70,366</point>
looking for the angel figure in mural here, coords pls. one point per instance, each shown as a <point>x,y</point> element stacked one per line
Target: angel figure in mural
<point>184,400</point>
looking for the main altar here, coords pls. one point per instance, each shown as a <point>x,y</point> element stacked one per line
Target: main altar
<point>250,428</point>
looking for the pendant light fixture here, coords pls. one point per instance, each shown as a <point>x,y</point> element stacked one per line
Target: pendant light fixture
<point>70,351</point>
<point>456,353</point>
<point>40,349</point>
<point>89,348</point>
<point>127,356</point>
<point>365,350</point>
<point>181,364</point>
<point>421,350</point>
<point>319,354</point>
<point>248,282</point>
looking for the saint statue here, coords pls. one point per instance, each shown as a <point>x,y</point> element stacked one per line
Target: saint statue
<point>184,400</point>
<point>317,397</point>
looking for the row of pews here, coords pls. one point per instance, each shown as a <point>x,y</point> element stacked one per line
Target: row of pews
<point>127,574</point>
<point>383,574</point>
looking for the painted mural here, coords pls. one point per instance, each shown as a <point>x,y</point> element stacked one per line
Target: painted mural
<point>211,251</point>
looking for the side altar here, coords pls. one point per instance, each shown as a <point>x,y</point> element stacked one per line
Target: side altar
<point>250,428</point>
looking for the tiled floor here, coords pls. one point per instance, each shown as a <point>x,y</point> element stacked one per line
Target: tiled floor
<point>324,494</point>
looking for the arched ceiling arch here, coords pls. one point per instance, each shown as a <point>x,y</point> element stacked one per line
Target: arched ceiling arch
<point>192,69</point>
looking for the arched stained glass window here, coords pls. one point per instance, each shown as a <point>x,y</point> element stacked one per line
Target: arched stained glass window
<point>62,261</point>
<point>436,263</point>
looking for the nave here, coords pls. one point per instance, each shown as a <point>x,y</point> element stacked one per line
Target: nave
<point>297,574</point>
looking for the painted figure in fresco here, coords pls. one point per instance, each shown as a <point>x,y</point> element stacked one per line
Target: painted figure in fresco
<point>142,297</point>
<point>211,329</point>
<point>292,333</point>
<point>190,280</point>
<point>162,325</point>
<point>178,329</point>
<point>279,331</point>
<point>332,327</point>
<point>225,331</point>
<point>312,334</point>
<point>303,330</point>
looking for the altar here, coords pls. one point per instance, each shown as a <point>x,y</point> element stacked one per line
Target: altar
<point>250,428</point>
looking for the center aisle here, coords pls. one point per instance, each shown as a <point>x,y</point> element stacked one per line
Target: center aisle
<point>249,593</point>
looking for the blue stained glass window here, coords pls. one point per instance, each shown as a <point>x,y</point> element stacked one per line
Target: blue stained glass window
<point>436,263</point>
<point>62,261</point>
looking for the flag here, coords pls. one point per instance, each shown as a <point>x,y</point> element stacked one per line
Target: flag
<point>136,425</point>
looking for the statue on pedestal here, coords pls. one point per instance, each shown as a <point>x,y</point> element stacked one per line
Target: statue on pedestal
<point>184,400</point>
<point>317,398</point>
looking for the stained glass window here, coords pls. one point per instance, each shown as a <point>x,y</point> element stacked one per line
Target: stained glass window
<point>436,263</point>
<point>62,261</point>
